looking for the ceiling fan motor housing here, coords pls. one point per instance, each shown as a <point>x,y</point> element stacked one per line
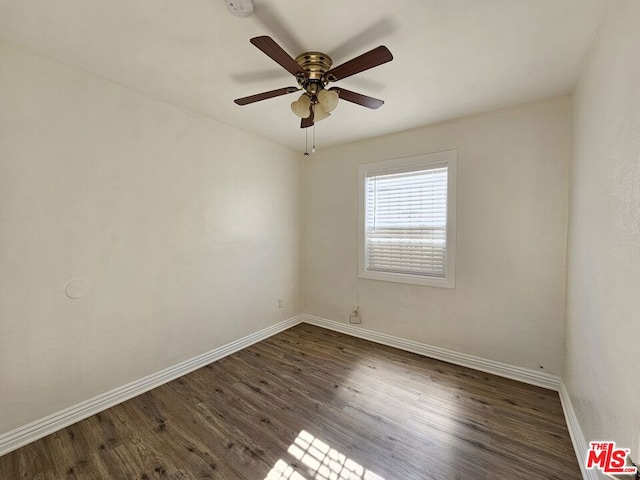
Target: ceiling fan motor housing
<point>315,65</point>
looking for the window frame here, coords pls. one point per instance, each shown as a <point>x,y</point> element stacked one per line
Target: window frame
<point>397,165</point>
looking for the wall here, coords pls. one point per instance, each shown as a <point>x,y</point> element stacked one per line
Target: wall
<point>186,230</point>
<point>603,296</point>
<point>509,300</point>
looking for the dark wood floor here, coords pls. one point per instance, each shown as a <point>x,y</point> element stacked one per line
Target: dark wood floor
<point>312,404</point>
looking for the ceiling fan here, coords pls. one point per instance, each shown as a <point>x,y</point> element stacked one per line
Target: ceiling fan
<point>313,72</point>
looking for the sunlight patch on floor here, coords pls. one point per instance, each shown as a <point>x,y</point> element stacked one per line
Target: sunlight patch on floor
<point>322,462</point>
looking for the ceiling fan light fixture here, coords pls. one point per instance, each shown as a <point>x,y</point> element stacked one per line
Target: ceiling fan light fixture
<point>328,100</point>
<point>319,113</point>
<point>301,106</point>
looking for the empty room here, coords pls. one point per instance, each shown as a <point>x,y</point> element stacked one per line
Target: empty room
<point>292,240</point>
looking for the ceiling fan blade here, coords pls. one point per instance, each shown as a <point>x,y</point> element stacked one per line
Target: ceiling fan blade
<point>307,122</point>
<point>270,48</point>
<point>264,95</point>
<point>358,98</point>
<point>368,60</point>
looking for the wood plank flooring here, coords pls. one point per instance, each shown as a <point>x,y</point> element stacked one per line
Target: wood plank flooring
<point>312,404</point>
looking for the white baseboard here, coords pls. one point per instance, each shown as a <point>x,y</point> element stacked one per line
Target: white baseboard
<point>33,431</point>
<point>525,375</point>
<point>580,445</point>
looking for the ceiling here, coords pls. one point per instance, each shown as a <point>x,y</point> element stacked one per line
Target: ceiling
<point>452,58</point>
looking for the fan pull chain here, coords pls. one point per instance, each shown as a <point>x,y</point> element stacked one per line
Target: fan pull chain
<point>313,148</point>
<point>306,142</point>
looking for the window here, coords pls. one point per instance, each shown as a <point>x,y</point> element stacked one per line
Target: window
<point>407,220</point>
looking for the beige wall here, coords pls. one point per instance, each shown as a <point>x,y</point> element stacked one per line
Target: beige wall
<point>603,300</point>
<point>508,304</point>
<point>187,231</point>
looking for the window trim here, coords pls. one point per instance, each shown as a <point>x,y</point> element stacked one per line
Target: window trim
<point>450,157</point>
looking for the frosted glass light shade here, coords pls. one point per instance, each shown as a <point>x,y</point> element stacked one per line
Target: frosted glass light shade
<point>328,100</point>
<point>319,113</point>
<point>301,106</point>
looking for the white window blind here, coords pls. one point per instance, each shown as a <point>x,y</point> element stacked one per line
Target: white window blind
<point>406,221</point>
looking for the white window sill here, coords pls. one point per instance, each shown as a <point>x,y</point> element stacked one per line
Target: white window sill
<point>410,279</point>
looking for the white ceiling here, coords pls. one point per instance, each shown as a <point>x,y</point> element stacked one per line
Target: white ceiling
<point>451,57</point>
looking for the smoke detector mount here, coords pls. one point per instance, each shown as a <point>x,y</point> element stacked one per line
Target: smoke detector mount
<point>240,8</point>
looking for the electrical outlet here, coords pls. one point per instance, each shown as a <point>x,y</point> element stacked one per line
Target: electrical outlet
<point>280,303</point>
